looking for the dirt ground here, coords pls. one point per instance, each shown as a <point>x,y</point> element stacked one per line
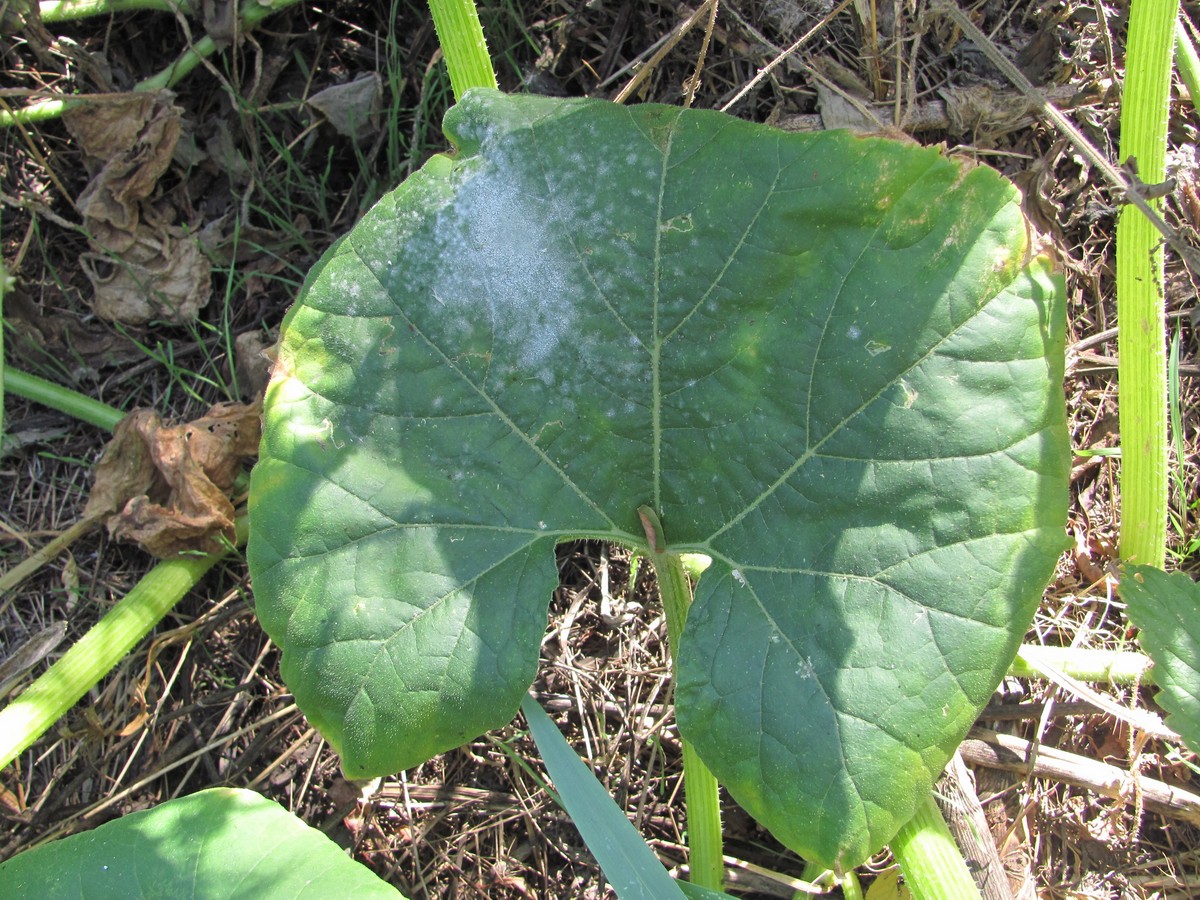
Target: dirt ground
<point>271,149</point>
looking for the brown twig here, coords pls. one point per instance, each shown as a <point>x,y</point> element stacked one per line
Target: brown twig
<point>1014,754</point>
<point>1133,191</point>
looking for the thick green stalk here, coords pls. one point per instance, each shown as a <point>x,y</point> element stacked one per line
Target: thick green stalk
<point>1141,312</point>
<point>463,45</point>
<point>700,787</point>
<point>1088,664</point>
<point>932,864</point>
<point>62,686</point>
<point>54,11</point>
<point>851,888</point>
<point>63,399</point>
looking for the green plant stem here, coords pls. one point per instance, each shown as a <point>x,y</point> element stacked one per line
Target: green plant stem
<point>700,786</point>
<point>932,864</point>
<point>463,45</point>
<point>53,12</point>
<point>1105,666</point>
<point>1141,311</point>
<point>63,399</point>
<point>252,15</point>
<point>43,110</point>
<point>1187,62</point>
<point>851,888</point>
<point>95,654</point>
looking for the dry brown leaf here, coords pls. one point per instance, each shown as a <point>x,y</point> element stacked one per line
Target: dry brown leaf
<point>128,141</point>
<point>167,487</point>
<point>142,267</point>
<point>84,345</point>
<point>162,275</point>
<point>125,470</point>
<point>353,108</point>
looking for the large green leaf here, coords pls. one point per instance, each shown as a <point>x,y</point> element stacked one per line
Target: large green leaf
<point>817,356</point>
<point>222,842</point>
<point>1167,610</point>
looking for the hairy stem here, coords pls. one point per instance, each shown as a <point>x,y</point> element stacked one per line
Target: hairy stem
<point>1088,664</point>
<point>931,862</point>
<point>1141,309</point>
<point>463,45</point>
<point>95,654</point>
<point>53,12</point>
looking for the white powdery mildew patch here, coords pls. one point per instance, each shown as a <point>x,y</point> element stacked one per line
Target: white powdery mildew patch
<point>509,266</point>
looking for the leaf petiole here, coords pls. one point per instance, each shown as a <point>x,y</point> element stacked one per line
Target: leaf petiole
<point>700,786</point>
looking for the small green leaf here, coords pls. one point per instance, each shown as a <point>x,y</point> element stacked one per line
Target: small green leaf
<point>222,842</point>
<point>1167,610</point>
<point>818,358</point>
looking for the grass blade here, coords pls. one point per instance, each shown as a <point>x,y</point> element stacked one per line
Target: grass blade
<point>630,866</point>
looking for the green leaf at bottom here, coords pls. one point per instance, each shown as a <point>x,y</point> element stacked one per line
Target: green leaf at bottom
<point>221,842</point>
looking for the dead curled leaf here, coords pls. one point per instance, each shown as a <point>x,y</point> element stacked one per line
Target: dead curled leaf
<point>127,143</point>
<point>162,275</point>
<point>167,487</point>
<point>153,269</point>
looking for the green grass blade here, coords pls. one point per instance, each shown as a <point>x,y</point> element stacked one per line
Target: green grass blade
<point>629,864</point>
<point>5,280</point>
<point>1187,63</point>
<point>1141,318</point>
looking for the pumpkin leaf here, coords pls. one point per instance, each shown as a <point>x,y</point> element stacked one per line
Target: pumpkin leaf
<point>194,846</point>
<point>822,359</point>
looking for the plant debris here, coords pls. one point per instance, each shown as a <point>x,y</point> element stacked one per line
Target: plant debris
<point>142,265</point>
<point>168,487</point>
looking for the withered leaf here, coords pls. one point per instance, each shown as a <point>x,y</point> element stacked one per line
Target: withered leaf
<point>127,141</point>
<point>167,487</point>
<point>162,274</point>
<point>352,108</point>
<point>141,267</point>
